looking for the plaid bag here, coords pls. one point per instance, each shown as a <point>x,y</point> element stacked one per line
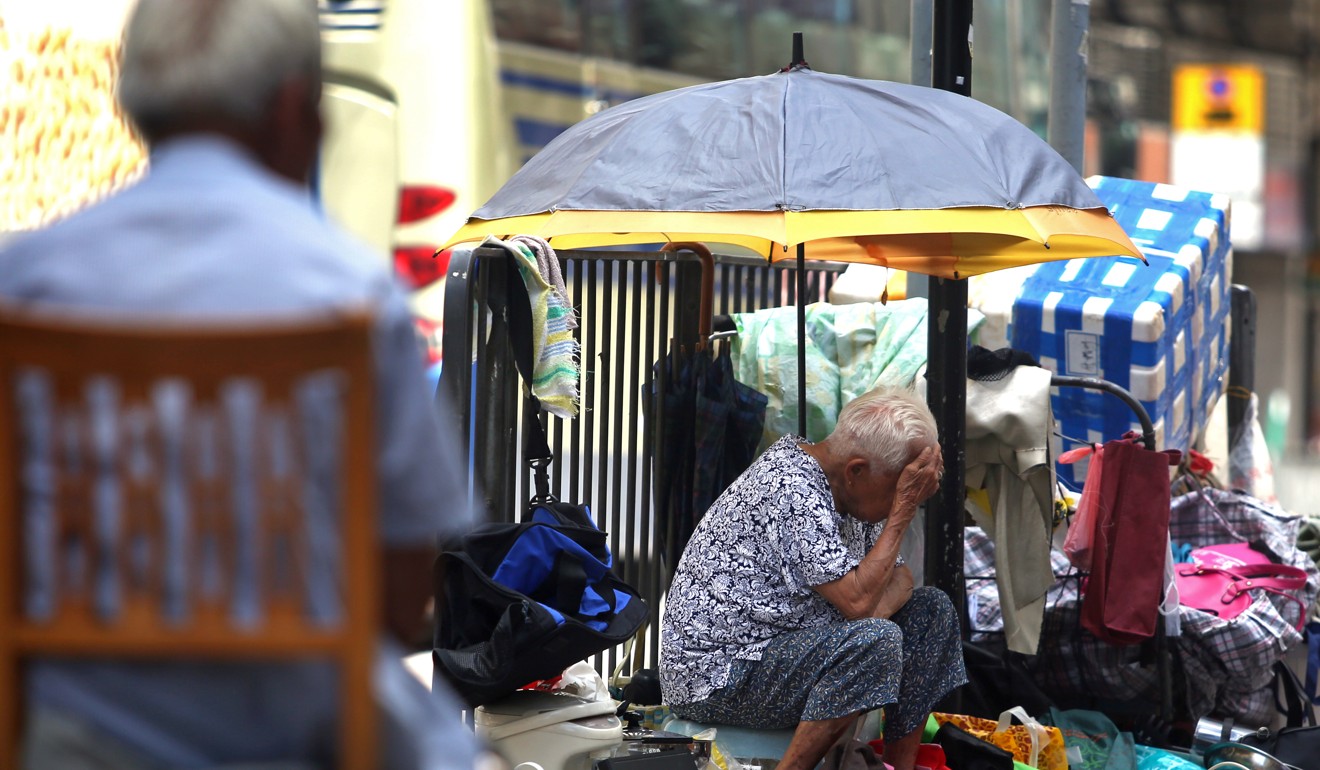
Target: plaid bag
<point>1071,663</point>
<point>1219,666</point>
<point>1240,653</point>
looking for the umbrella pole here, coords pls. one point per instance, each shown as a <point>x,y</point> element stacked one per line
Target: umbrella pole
<point>946,346</point>
<point>799,59</point>
<point>802,337</point>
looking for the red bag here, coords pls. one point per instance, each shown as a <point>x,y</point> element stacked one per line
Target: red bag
<point>1130,545</point>
<point>929,755</point>
<point>1220,580</point>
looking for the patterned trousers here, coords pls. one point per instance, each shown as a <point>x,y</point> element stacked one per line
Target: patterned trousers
<point>905,664</point>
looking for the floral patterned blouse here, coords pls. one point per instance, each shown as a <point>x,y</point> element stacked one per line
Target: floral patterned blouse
<point>745,576</point>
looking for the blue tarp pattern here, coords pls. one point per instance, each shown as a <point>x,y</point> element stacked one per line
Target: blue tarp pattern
<point>1161,331</point>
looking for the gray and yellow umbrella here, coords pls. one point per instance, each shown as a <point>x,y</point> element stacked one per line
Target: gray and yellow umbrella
<point>856,170</point>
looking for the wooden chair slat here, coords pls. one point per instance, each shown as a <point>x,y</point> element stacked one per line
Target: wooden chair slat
<point>206,360</point>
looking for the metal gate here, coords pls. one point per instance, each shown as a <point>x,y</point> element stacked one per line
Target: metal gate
<point>631,307</point>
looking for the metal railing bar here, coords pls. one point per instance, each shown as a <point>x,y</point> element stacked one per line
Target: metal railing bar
<point>739,277</point>
<point>480,400</point>
<point>495,402</point>
<point>556,430</point>
<point>608,408</point>
<point>649,583</point>
<point>630,329</point>
<point>591,380</point>
<point>512,448</point>
<point>457,339</point>
<point>720,301</point>
<point>461,338</point>
<point>665,330</point>
<point>575,430</point>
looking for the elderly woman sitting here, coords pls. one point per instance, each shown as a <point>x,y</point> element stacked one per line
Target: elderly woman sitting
<point>791,605</point>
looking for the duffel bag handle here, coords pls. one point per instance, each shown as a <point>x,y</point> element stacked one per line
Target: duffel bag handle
<point>571,584</point>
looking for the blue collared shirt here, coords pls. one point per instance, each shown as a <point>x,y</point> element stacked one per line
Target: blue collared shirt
<point>210,233</point>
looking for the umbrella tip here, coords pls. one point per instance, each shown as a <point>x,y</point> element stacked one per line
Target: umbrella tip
<point>798,59</point>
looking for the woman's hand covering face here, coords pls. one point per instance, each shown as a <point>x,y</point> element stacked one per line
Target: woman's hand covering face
<point>920,478</point>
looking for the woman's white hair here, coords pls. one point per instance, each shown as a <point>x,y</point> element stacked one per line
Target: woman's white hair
<point>214,58</point>
<point>887,427</point>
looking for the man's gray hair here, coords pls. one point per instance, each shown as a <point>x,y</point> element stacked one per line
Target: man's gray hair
<point>214,58</point>
<point>887,427</point>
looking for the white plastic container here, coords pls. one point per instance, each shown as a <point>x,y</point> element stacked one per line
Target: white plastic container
<point>556,732</point>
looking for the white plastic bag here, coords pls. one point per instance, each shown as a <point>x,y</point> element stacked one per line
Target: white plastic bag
<point>581,679</point>
<point>1249,465</point>
<point>720,758</point>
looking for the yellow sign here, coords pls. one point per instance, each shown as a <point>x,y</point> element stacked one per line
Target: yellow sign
<point>1211,97</point>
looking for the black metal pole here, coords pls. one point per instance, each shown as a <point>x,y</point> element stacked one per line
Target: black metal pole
<point>802,326</point>
<point>951,50</point>
<point>799,59</point>
<point>1241,360</point>
<point>946,347</point>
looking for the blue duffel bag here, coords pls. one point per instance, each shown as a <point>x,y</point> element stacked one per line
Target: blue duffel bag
<point>523,601</point>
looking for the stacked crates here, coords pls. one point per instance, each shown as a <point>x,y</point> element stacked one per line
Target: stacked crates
<point>1160,330</point>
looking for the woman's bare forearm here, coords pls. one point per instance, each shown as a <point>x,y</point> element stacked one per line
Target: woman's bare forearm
<point>858,593</point>
<point>896,594</point>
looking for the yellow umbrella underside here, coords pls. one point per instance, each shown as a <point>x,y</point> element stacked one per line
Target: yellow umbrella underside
<point>946,243</point>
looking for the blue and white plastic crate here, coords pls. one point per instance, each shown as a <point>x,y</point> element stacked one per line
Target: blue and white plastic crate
<point>1161,331</point>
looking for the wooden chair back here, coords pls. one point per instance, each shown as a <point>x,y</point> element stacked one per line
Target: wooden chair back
<point>124,487</point>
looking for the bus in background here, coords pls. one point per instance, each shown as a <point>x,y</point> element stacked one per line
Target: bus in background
<point>547,90</point>
<point>626,49</point>
<point>416,136</point>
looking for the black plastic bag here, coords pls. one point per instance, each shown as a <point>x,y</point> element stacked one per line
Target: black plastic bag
<point>523,601</point>
<point>965,751</point>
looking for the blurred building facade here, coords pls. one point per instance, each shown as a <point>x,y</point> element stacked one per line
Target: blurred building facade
<point>563,59</point>
<point>1135,49</point>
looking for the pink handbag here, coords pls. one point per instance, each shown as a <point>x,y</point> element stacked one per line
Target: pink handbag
<point>1220,579</point>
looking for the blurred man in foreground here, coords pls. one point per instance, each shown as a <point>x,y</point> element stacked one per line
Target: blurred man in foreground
<point>226,93</point>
